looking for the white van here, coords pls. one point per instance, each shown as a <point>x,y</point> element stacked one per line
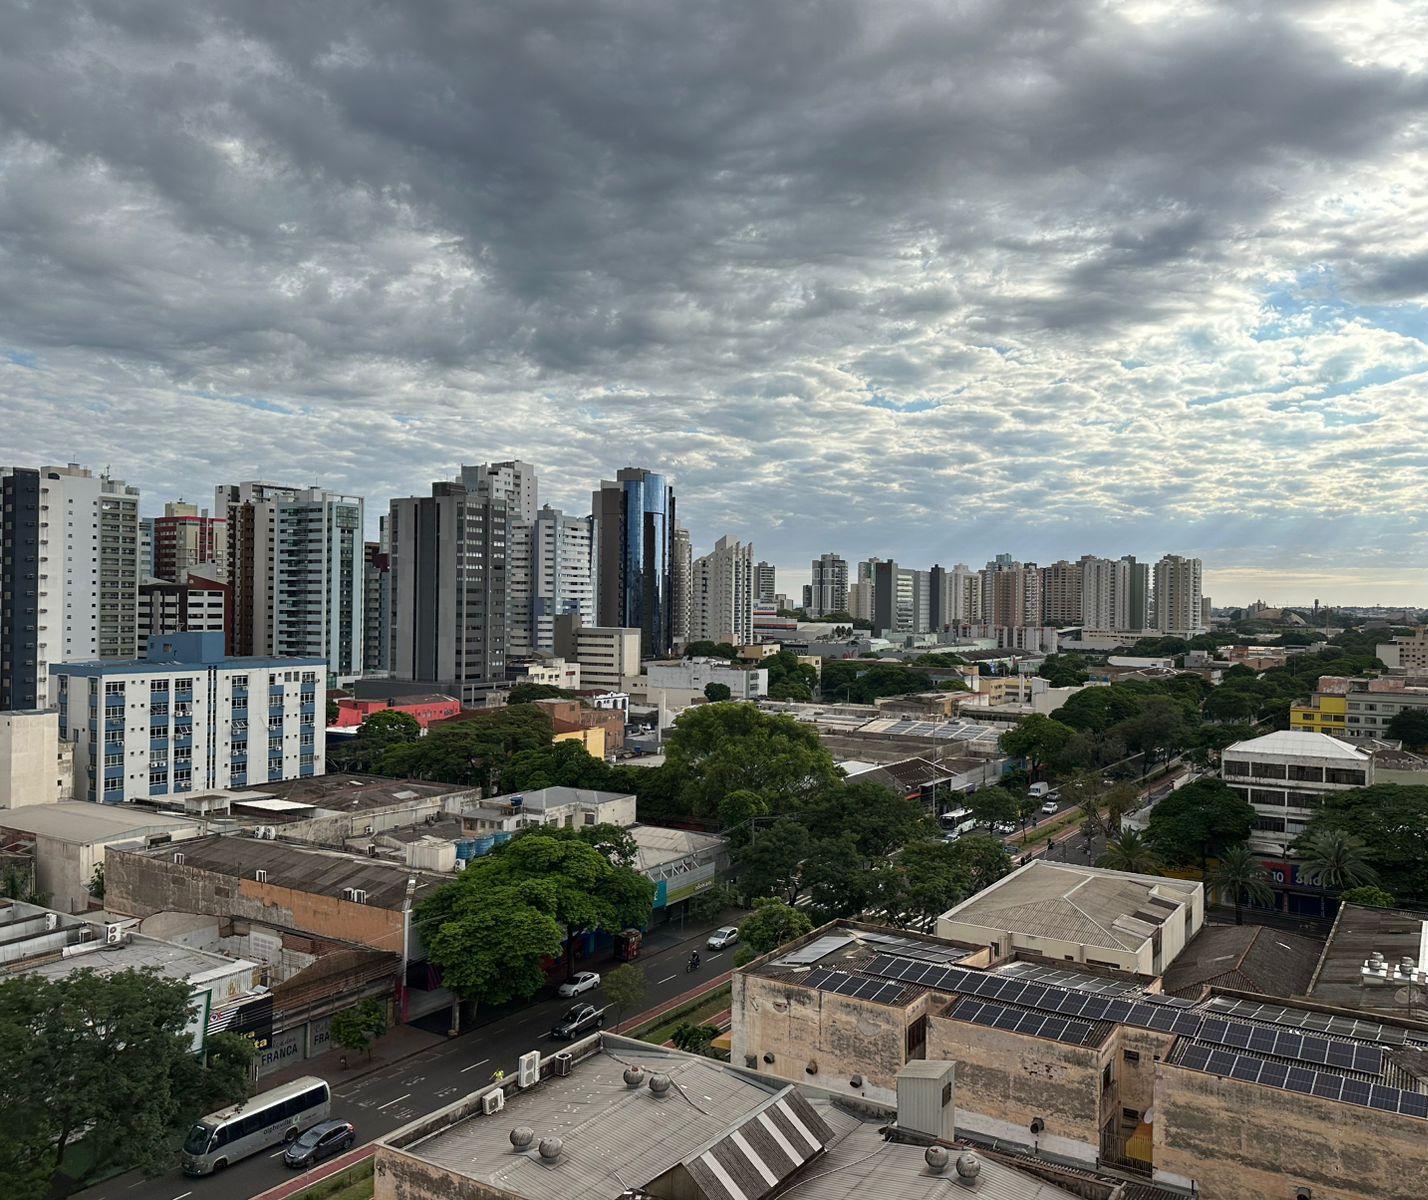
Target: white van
<point>1038,789</point>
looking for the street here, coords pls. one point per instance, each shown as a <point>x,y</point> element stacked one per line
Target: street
<point>396,1094</point>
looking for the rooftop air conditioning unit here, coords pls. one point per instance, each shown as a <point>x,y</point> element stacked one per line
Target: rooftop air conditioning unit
<point>178,858</point>
<point>260,875</point>
<point>528,1066</point>
<point>459,865</point>
<point>356,895</point>
<point>113,935</point>
<point>493,1102</point>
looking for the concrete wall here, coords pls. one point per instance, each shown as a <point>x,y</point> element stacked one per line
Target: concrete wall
<point>29,762</point>
<point>1007,1080</point>
<point>1126,960</point>
<point>141,884</point>
<point>841,1036</point>
<point>1240,1141</point>
<point>335,828</point>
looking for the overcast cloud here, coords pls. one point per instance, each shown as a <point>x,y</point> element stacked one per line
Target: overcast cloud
<point>923,279</point>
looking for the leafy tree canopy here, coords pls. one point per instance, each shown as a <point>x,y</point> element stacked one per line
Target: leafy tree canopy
<point>1391,821</point>
<point>1198,822</point>
<point>1368,897</point>
<point>707,649</point>
<point>1035,738</point>
<point>717,692</point>
<point>1410,726</point>
<point>771,924</point>
<point>471,751</point>
<point>525,693</point>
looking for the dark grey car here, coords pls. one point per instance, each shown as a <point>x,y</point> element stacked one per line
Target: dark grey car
<point>323,1140</point>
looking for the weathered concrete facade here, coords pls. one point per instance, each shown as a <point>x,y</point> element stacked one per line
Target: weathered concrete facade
<point>141,884</point>
<point>1239,1141</point>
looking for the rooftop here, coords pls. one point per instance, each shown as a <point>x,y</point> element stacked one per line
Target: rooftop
<point>658,845</point>
<point>1357,933</point>
<point>1246,958</point>
<point>83,823</point>
<point>713,1134</point>
<point>558,797</point>
<point>341,792</point>
<point>303,868</point>
<point>919,772</point>
<point>1301,744</point>
<point>1086,905</point>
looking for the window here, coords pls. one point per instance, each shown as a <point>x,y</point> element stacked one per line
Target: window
<point>917,1038</point>
<point>1131,1056</point>
<point>1131,1114</point>
<point>1236,768</point>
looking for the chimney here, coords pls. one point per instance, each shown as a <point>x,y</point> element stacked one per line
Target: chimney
<point>925,1099</point>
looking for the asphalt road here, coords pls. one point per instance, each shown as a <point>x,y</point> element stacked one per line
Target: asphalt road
<point>391,1097</point>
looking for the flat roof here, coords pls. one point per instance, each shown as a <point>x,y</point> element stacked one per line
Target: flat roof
<point>83,823</point>
<point>1357,933</point>
<point>303,868</point>
<point>342,792</point>
<point>555,797</point>
<point>1086,905</point>
<point>146,666</point>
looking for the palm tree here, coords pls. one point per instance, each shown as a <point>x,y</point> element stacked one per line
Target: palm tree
<point>1334,860</point>
<point>1130,852</point>
<point>1241,874</point>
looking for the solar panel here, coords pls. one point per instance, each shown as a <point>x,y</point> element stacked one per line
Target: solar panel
<point>1273,1014</point>
<point>812,952</point>
<point>1035,1024</point>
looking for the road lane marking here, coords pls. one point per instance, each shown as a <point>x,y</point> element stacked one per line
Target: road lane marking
<point>182,1197</point>
<point>473,1066</point>
<point>666,979</point>
<point>388,1104</point>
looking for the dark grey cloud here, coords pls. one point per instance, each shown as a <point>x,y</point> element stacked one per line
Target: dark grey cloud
<point>996,249</point>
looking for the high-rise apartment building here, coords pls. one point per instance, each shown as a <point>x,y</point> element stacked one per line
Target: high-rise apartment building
<point>964,594</point>
<point>449,590</point>
<point>861,598</point>
<point>1061,585</point>
<point>1011,593</point>
<point>195,605</point>
<point>765,581</point>
<point>681,584</point>
<point>562,574</point>
<point>188,718</point>
<point>295,566</point>
<point>69,575</point>
<point>1105,593</point>
<point>1178,595</point>
<point>723,594</point>
<point>635,521</point>
<point>1138,599</point>
<point>828,591</point>
<point>512,483</point>
<point>376,607</point>
<point>186,537</point>
<point>901,598</point>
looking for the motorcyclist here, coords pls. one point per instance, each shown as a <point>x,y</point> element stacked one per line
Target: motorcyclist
<point>694,961</point>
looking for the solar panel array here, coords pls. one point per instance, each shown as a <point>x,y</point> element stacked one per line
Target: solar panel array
<point>1289,1043</point>
<point>1037,1024</point>
<point>876,990</point>
<point>908,948</point>
<point>1250,1010</point>
<point>811,953</point>
<point>1199,1056</point>
<point>1056,977</point>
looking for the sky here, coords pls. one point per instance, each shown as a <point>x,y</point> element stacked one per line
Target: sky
<point>929,280</point>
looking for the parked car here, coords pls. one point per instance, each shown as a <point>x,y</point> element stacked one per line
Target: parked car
<point>323,1140</point>
<point>1005,827</point>
<point>580,1020</point>
<point>1049,807</point>
<point>581,981</point>
<point>721,938</point>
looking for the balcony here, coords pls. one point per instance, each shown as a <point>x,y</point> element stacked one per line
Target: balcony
<point>239,693</point>
<point>158,743</point>
<point>183,743</point>
<point>114,772</point>
<point>275,710</point>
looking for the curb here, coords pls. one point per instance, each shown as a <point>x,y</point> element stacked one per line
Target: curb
<point>683,998</point>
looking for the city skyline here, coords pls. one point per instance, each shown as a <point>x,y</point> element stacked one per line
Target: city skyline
<point>1120,279</point>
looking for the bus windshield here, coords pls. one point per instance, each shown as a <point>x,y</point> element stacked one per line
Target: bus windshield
<point>197,1141</point>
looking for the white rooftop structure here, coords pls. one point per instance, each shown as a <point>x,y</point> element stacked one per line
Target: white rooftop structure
<point>1300,743</point>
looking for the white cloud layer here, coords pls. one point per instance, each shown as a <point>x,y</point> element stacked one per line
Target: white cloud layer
<point>927,279</point>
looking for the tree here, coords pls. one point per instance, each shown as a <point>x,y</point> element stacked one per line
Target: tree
<point>471,751</point>
<point>95,886</point>
<point>836,878</point>
<point>1240,874</point>
<point>717,692</point>
<point>332,711</point>
<point>716,749</point>
<point>1334,860</point>
<point>1026,808</point>
<point>1198,822</point>
<point>708,649</point>
<point>711,902</point>
<point>772,924</point>
<point>563,764</point>
<point>694,1039</point>
<point>508,911</point>
<point>1410,726</point>
<point>879,819</point>
<point>1392,822</point>
<point>1367,897</point>
<point>624,988</point>
<point>356,1028</point>
<point>1035,738</point>
<point>103,1059</point>
<point>770,864</point>
<point>525,693</point>
<point>1130,852</point>
<point>389,728</point>
<point>924,881</point>
<point>992,806</point>
<point>737,813</point>
<point>1064,670</point>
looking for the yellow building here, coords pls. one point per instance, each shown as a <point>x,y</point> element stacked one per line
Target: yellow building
<point>1325,713</point>
<point>593,739</point>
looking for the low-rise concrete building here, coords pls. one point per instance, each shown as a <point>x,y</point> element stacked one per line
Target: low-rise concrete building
<point>551,672</point>
<point>679,683</point>
<point>606,655</point>
<point>1113,919</point>
<point>353,710</point>
<point>1285,775</point>
<point>563,806</point>
<point>69,841</point>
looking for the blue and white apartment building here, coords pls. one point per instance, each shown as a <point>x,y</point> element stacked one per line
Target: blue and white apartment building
<point>190,719</point>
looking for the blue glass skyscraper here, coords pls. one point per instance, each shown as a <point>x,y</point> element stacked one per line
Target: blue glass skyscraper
<point>634,522</point>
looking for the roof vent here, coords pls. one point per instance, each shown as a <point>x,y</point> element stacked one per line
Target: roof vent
<point>260,875</point>
<point>634,1076</point>
<point>969,1166</point>
<point>550,1148</point>
<point>937,1159</point>
<point>659,1083</point>
<point>178,857</point>
<point>522,1136</point>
